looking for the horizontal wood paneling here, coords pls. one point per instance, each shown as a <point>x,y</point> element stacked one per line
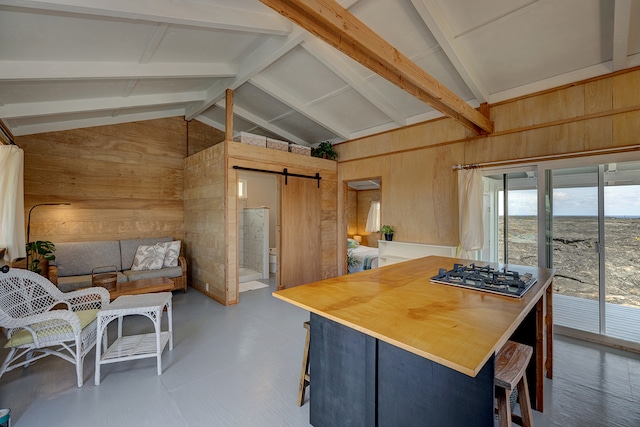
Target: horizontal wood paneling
<point>202,136</point>
<point>204,221</point>
<point>419,187</point>
<point>123,181</point>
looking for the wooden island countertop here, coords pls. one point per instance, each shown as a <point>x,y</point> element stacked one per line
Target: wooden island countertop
<point>398,304</point>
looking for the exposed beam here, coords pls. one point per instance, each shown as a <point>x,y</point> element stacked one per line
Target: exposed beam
<point>228,119</point>
<point>193,14</point>
<point>154,42</point>
<point>59,70</point>
<point>33,109</point>
<point>312,114</point>
<point>336,63</point>
<point>57,126</point>
<point>434,19</point>
<point>621,20</point>
<point>270,51</point>
<point>338,27</point>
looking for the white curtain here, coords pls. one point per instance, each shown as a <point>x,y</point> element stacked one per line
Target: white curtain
<point>470,212</point>
<point>373,219</point>
<point>12,201</point>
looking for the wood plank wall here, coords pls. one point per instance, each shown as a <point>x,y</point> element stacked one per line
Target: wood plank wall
<point>419,187</point>
<point>204,221</point>
<point>201,136</point>
<point>124,181</point>
<point>352,211</point>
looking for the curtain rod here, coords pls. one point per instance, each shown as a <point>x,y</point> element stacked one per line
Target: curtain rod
<point>626,149</point>
<point>284,172</point>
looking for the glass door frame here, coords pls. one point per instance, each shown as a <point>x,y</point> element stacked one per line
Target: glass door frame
<point>543,169</point>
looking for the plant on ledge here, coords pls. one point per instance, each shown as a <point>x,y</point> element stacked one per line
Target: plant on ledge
<point>387,230</point>
<point>324,150</point>
<point>38,251</point>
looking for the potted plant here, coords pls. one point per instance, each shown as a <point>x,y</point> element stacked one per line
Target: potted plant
<point>39,254</point>
<point>324,150</point>
<point>387,230</point>
<point>352,261</point>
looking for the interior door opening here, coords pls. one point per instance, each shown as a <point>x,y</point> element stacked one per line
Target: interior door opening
<point>257,234</point>
<point>363,205</point>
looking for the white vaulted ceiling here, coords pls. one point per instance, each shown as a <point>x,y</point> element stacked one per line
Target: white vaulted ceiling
<point>68,64</point>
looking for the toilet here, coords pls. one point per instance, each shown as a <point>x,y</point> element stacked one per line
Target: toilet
<point>273,261</point>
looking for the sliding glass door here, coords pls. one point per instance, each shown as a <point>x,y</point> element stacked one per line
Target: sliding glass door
<point>595,229</point>
<point>510,218</point>
<point>576,248</point>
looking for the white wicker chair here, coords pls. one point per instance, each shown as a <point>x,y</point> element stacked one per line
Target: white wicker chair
<point>36,329</point>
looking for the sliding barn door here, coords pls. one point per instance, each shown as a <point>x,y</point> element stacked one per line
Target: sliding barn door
<point>300,253</point>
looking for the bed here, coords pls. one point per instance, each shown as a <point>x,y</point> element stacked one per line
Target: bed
<point>366,257</point>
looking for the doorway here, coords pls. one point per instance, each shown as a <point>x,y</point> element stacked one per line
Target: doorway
<point>363,213</point>
<point>510,217</point>
<point>257,215</point>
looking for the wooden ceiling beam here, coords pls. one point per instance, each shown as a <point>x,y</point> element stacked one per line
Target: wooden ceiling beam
<point>335,25</point>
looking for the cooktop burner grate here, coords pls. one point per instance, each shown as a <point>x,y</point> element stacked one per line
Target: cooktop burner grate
<point>499,281</point>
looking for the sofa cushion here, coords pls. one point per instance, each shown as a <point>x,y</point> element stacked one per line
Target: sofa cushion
<point>71,283</point>
<point>169,272</point>
<point>79,258</point>
<point>149,257</point>
<point>173,252</point>
<point>128,249</point>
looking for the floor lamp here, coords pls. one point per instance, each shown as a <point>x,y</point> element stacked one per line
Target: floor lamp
<point>29,223</point>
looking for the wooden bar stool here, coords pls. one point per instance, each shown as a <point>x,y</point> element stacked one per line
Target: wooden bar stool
<point>510,370</point>
<point>304,375</point>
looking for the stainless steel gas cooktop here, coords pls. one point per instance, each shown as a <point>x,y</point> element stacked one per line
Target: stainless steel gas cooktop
<point>498,281</point>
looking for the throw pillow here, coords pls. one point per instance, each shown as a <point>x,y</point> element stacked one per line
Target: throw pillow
<point>173,252</point>
<point>352,244</point>
<point>149,257</point>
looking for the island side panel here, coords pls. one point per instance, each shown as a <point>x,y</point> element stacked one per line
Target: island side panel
<point>342,375</point>
<point>415,391</point>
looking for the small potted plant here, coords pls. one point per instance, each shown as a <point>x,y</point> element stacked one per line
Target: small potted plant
<point>387,230</point>
<point>324,150</point>
<point>39,254</point>
<point>352,261</point>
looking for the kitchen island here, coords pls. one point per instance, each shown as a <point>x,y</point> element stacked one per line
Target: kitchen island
<point>389,347</point>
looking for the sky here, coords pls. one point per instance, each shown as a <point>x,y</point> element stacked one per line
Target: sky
<point>622,200</point>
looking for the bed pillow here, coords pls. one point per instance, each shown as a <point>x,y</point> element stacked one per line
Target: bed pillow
<point>173,252</point>
<point>351,243</point>
<point>149,257</point>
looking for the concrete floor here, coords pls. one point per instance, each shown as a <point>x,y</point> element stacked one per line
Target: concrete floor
<point>240,365</point>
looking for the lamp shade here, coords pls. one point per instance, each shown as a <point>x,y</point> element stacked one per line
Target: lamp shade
<point>357,238</point>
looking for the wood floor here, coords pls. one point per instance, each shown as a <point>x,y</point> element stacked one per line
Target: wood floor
<point>578,313</point>
<point>240,366</point>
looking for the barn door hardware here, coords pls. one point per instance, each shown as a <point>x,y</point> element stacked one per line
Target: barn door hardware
<point>284,172</point>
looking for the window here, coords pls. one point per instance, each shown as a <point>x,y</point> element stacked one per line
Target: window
<point>242,189</point>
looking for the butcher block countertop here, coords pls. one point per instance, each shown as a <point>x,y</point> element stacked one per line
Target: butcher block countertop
<point>456,327</point>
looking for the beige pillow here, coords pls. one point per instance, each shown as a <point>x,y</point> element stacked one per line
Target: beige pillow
<point>149,257</point>
<point>173,252</point>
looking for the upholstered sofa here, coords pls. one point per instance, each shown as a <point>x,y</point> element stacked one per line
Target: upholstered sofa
<point>75,262</point>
